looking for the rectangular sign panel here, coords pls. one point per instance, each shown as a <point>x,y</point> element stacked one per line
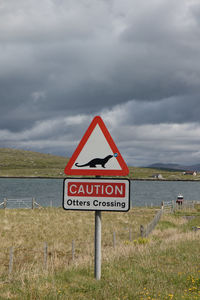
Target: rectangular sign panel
<point>96,194</point>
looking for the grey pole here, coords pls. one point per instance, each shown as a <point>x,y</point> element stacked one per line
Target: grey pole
<point>11,261</point>
<point>97,256</point>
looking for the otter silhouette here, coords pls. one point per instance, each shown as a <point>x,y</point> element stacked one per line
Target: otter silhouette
<point>96,161</point>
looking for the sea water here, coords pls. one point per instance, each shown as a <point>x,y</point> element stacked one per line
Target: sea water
<point>49,192</point>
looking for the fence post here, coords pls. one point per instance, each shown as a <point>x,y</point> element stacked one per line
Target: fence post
<point>173,207</point>
<point>11,260</point>
<point>73,249</point>
<point>33,202</point>
<point>162,207</point>
<point>45,254</point>
<point>193,204</point>
<point>142,230</point>
<point>5,202</point>
<point>130,234</point>
<point>114,239</point>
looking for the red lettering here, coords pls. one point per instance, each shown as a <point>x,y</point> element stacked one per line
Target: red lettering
<point>94,189</point>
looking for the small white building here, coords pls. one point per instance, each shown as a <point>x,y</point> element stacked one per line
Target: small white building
<point>157,176</point>
<point>194,173</point>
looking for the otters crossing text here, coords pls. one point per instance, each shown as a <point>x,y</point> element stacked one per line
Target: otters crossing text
<point>96,194</point>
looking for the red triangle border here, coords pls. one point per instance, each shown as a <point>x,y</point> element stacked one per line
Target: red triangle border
<point>124,169</point>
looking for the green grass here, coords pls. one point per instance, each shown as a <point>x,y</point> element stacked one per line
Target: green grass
<point>20,163</point>
<point>166,224</point>
<point>166,265</point>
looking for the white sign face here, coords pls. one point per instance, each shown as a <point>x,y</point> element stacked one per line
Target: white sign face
<point>96,147</point>
<point>97,154</point>
<point>96,194</point>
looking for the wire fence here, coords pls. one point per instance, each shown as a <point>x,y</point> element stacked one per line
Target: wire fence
<point>27,203</point>
<point>145,231</point>
<point>17,258</point>
<point>172,206</point>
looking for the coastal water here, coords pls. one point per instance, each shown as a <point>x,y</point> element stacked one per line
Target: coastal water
<point>49,192</point>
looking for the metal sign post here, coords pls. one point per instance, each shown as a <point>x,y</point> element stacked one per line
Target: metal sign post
<point>97,246</point>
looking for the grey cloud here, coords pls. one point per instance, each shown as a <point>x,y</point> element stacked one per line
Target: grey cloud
<point>173,110</point>
<point>136,62</point>
<point>103,64</point>
<point>168,142</point>
<point>170,110</point>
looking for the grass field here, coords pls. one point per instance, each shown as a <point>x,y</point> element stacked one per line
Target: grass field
<point>166,265</point>
<point>20,163</point>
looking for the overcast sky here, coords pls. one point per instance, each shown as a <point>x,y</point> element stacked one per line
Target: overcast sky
<point>136,63</point>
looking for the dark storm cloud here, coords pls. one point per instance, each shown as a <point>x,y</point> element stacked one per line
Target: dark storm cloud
<point>64,60</point>
<point>79,59</point>
<point>170,110</point>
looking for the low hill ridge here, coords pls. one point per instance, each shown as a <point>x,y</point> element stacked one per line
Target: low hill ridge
<point>22,163</point>
<point>174,166</point>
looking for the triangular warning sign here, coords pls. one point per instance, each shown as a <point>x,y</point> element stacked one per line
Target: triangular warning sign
<point>97,153</point>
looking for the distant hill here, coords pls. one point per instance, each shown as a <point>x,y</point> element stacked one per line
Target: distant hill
<point>21,163</point>
<point>171,166</point>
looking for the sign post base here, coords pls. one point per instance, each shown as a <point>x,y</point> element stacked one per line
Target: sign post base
<point>97,256</point>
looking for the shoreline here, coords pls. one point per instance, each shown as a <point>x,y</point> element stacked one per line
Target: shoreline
<point>130,178</point>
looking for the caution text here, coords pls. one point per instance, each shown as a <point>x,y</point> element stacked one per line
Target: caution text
<point>96,189</point>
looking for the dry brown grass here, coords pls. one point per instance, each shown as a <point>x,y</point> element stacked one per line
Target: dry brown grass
<point>27,230</point>
<point>171,252</point>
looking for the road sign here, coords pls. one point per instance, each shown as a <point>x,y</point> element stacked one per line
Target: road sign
<point>97,153</point>
<point>96,194</point>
